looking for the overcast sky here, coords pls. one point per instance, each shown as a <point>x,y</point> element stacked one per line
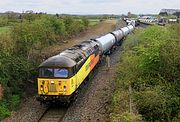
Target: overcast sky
<point>89,6</point>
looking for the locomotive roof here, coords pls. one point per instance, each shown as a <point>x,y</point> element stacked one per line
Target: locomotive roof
<point>58,61</point>
<point>71,56</point>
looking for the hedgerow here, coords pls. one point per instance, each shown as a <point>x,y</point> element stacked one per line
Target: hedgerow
<point>150,66</point>
<point>30,33</point>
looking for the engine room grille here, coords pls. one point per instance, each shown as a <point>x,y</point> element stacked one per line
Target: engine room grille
<point>52,88</point>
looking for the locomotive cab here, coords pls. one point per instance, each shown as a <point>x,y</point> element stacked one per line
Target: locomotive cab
<point>56,78</point>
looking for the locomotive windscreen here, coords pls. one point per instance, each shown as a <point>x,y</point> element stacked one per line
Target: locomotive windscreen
<point>53,72</point>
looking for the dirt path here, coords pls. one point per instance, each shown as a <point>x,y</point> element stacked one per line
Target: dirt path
<point>30,109</point>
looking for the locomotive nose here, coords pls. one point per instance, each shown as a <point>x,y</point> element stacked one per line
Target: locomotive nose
<point>53,87</point>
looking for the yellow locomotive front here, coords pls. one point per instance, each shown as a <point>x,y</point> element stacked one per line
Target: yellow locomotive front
<point>56,80</point>
<point>56,83</point>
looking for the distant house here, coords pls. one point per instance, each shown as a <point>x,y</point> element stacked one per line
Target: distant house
<point>169,11</point>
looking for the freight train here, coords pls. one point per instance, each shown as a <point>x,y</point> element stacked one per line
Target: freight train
<point>61,76</point>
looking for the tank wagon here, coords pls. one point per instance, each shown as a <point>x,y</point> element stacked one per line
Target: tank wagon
<point>106,43</point>
<point>61,76</point>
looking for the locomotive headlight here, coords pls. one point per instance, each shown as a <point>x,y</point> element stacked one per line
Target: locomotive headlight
<point>41,87</point>
<point>52,82</point>
<point>64,88</point>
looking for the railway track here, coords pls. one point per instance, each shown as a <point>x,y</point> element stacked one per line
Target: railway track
<point>53,114</point>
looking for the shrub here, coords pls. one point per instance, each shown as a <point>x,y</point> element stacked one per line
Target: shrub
<point>4,111</point>
<point>3,21</point>
<point>20,47</point>
<point>150,64</point>
<point>14,101</point>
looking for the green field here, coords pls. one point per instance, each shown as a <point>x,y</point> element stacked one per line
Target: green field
<point>4,29</point>
<point>93,22</point>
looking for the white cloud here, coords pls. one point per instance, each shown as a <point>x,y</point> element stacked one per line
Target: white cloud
<point>89,6</point>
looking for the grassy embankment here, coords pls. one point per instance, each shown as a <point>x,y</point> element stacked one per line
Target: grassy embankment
<point>20,51</point>
<point>148,78</point>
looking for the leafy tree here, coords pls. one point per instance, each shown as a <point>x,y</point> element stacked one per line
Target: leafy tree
<point>20,50</point>
<point>68,24</point>
<point>85,22</point>
<point>3,21</point>
<point>177,14</point>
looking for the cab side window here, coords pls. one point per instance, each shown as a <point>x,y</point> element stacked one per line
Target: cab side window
<point>46,72</point>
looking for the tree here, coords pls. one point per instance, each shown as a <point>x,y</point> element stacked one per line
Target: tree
<point>68,24</point>
<point>29,15</point>
<point>129,14</point>
<point>3,21</point>
<point>85,22</point>
<point>177,14</point>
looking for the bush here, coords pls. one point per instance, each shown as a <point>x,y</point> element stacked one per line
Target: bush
<point>150,64</point>
<point>85,22</point>
<point>3,21</point>
<point>14,101</point>
<point>4,111</point>
<point>20,48</point>
<point>9,104</point>
<point>33,36</point>
<point>126,117</point>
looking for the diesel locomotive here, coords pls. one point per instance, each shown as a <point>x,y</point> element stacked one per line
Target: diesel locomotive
<point>60,76</point>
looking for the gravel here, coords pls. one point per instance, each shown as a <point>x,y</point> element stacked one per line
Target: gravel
<point>31,111</point>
